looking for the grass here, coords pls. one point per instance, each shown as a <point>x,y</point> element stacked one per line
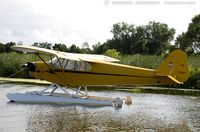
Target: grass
<point>145,61</point>
<point>9,64</point>
<point>194,68</point>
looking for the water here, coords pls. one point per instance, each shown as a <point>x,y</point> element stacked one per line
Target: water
<point>149,112</point>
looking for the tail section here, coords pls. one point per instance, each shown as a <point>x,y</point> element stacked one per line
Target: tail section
<point>175,67</point>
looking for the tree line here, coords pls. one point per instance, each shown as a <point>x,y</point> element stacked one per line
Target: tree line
<point>57,46</point>
<point>155,38</point>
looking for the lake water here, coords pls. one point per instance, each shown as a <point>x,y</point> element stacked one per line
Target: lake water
<point>149,112</point>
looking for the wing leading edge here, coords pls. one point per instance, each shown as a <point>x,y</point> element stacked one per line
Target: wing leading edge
<point>65,55</point>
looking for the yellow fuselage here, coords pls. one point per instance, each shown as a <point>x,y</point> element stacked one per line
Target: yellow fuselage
<point>100,74</point>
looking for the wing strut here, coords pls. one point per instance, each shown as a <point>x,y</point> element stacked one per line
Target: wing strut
<point>52,70</point>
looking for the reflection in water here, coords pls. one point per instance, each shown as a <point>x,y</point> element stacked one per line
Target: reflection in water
<point>57,119</point>
<point>149,112</point>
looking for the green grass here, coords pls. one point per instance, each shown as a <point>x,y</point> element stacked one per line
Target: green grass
<point>10,63</point>
<point>145,61</point>
<point>194,68</point>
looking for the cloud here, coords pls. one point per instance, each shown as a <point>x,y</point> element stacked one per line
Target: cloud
<point>19,21</point>
<point>75,21</point>
<point>27,22</point>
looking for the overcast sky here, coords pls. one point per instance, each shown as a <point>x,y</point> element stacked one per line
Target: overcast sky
<point>78,21</point>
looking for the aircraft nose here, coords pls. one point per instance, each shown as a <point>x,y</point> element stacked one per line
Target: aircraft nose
<point>29,65</point>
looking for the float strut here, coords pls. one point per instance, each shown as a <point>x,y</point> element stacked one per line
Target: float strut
<point>79,88</point>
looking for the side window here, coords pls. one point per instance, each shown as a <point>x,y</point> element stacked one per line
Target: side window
<point>70,65</point>
<point>77,65</point>
<point>55,62</point>
<point>82,66</point>
<point>88,66</point>
<point>64,64</point>
<point>58,64</point>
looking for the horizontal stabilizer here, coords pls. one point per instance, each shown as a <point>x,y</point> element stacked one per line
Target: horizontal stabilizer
<point>174,79</point>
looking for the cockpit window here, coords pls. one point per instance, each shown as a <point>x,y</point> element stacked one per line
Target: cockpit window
<point>70,64</point>
<point>64,63</point>
<point>88,67</point>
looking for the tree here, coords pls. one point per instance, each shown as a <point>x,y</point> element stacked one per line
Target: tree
<point>98,48</point>
<point>85,48</point>
<point>153,38</point>
<point>60,47</point>
<point>85,45</point>
<point>123,34</point>
<point>2,48</point>
<point>74,49</point>
<point>43,45</point>
<point>139,46</point>
<point>8,46</point>
<point>190,40</point>
<point>158,37</point>
<point>183,42</point>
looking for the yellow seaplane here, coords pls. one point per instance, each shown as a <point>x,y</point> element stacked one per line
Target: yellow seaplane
<point>82,70</point>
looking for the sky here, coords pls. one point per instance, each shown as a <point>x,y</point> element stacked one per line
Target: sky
<point>78,21</point>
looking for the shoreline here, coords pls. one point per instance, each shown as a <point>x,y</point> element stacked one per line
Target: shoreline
<point>118,88</point>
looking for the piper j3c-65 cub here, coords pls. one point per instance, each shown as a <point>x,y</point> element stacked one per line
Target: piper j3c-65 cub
<point>82,70</point>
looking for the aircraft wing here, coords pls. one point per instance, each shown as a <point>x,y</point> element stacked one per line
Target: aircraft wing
<point>65,55</point>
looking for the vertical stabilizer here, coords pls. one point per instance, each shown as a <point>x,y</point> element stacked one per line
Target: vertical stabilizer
<point>175,67</point>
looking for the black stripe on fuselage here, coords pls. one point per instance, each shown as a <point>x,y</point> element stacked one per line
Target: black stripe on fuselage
<point>81,72</point>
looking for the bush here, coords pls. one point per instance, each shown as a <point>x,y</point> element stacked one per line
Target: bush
<point>113,53</point>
